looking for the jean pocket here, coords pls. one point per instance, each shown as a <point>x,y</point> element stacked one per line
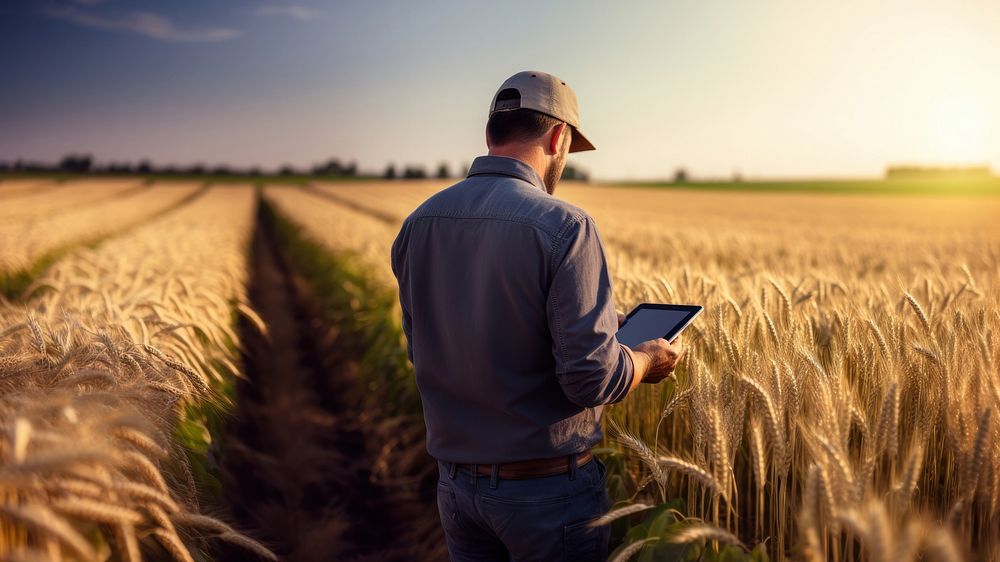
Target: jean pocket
<point>526,502</point>
<point>596,472</point>
<point>583,543</point>
<point>602,469</point>
<point>447,505</point>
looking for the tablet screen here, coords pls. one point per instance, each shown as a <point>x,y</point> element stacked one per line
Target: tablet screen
<point>650,323</point>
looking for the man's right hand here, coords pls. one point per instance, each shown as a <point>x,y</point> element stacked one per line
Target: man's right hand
<point>661,357</point>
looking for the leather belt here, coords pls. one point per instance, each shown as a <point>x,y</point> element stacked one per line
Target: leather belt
<point>535,468</point>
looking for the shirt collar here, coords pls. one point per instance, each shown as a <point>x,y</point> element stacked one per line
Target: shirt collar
<point>506,166</point>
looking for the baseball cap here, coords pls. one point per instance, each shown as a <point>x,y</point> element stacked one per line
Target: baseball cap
<point>544,93</point>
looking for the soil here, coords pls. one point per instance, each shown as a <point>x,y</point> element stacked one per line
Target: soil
<point>297,456</point>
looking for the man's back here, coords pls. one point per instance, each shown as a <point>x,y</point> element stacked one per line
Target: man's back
<point>510,324</point>
<point>508,314</point>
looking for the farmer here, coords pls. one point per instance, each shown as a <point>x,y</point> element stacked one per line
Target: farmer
<point>510,325</point>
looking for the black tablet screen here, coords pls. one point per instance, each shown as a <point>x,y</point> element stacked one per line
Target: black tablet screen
<point>650,323</point>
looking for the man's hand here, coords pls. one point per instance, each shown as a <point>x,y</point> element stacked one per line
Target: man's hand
<point>621,318</point>
<point>656,359</point>
<point>663,358</point>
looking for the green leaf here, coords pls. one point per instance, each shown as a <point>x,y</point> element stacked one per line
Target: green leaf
<point>652,514</point>
<point>636,533</point>
<point>661,521</point>
<point>759,554</point>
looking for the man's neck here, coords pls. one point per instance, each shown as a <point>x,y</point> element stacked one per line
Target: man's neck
<point>531,156</point>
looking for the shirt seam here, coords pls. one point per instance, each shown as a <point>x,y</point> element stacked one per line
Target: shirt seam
<point>560,237</point>
<point>510,169</point>
<point>628,353</point>
<point>559,334</point>
<point>552,233</point>
<point>506,175</point>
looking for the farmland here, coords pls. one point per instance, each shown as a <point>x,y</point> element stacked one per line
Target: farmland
<point>838,394</point>
<point>171,351</point>
<point>114,359</point>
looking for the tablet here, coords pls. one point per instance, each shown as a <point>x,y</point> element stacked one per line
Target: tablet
<point>650,321</point>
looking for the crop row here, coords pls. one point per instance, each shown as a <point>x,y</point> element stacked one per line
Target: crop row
<point>114,371</point>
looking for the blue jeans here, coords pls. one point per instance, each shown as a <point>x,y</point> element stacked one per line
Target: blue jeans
<point>545,519</point>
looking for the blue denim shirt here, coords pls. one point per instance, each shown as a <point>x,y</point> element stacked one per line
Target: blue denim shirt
<point>509,318</point>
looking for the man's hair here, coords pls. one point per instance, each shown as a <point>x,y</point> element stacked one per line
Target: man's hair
<point>516,124</point>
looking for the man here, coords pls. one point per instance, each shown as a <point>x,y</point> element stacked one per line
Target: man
<point>510,325</point>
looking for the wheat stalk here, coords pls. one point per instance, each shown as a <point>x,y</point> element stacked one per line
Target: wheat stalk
<point>694,472</point>
<point>632,549</point>
<point>619,513</point>
<point>695,533</point>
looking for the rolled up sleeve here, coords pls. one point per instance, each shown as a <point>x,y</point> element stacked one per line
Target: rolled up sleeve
<point>592,367</point>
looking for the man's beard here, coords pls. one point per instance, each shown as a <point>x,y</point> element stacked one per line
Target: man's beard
<point>554,172</point>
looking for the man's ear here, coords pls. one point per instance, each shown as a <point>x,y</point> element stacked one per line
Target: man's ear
<point>554,140</point>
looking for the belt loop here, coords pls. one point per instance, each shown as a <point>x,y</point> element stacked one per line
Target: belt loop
<point>494,474</point>
<point>475,476</point>
<point>572,466</point>
<point>452,468</point>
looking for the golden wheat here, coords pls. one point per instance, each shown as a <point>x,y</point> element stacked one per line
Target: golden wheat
<point>29,231</point>
<point>844,367</point>
<point>100,364</point>
<point>44,203</point>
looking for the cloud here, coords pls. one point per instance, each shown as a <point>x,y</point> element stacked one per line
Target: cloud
<point>149,24</point>
<point>295,11</point>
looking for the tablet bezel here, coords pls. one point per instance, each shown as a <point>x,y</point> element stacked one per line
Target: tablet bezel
<point>693,311</point>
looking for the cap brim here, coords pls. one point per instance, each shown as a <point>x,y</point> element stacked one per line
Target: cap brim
<point>580,142</point>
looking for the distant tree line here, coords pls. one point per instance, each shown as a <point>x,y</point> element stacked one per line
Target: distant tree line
<point>334,167</point>
<point>85,164</point>
<point>570,172</point>
<point>938,172</point>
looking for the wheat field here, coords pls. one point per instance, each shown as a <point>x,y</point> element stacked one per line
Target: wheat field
<point>39,203</point>
<point>103,360</point>
<point>840,396</point>
<point>34,224</point>
<point>839,399</point>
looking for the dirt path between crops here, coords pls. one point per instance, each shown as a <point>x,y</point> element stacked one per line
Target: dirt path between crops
<point>295,468</point>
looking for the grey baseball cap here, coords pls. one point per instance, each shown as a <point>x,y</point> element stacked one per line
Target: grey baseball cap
<point>544,93</point>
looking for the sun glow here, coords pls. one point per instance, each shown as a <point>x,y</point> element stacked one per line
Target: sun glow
<point>958,127</point>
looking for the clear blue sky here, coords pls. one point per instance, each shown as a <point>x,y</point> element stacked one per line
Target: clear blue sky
<point>769,88</point>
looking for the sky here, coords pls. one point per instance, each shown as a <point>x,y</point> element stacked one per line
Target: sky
<point>760,88</point>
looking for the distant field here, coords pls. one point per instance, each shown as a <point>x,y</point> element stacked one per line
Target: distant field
<point>979,186</point>
<point>990,186</point>
<point>215,178</point>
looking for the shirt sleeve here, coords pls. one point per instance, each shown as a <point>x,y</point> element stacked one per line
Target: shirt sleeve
<point>592,367</point>
<point>397,262</point>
